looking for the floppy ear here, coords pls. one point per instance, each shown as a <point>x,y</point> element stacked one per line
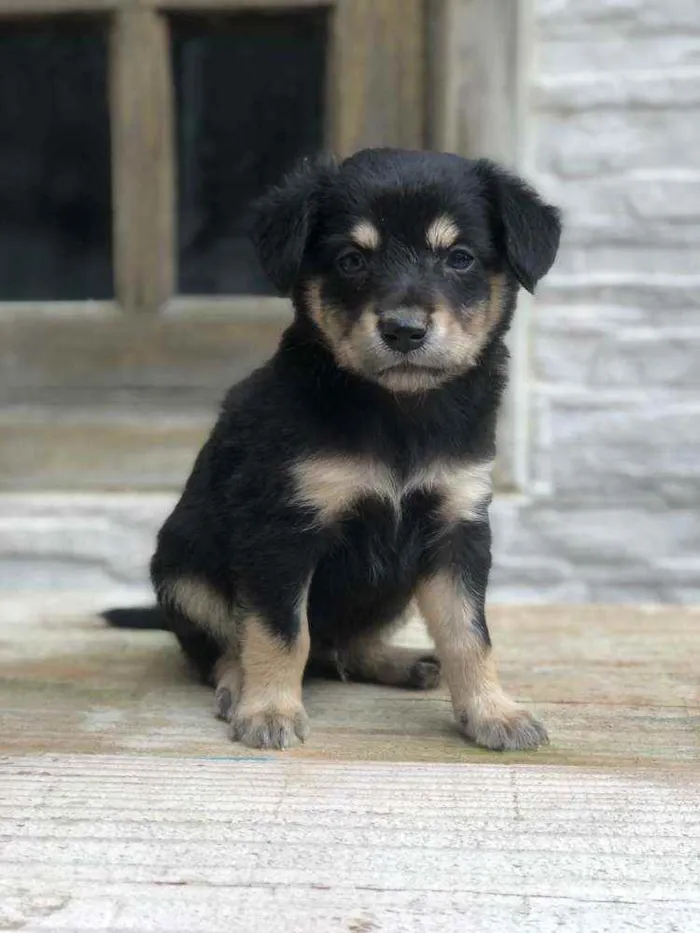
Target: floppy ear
<point>529,228</point>
<point>282,220</point>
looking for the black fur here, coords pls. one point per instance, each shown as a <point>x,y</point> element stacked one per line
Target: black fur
<point>238,525</point>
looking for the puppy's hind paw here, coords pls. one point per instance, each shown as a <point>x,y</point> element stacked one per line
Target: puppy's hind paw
<point>224,704</point>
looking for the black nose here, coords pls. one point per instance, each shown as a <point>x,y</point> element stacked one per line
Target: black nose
<point>402,336</point>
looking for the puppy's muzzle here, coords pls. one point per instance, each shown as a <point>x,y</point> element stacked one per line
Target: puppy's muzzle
<point>403,330</point>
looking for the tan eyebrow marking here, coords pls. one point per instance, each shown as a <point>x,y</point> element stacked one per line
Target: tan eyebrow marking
<point>366,235</point>
<point>442,233</point>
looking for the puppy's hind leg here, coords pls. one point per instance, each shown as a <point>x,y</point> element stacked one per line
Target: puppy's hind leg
<point>375,660</point>
<point>202,620</point>
<point>372,658</point>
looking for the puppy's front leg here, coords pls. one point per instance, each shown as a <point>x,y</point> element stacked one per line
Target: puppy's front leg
<point>270,713</point>
<point>451,600</point>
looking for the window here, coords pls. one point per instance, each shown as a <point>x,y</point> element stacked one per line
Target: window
<point>249,103</point>
<point>133,135</point>
<point>55,189</point>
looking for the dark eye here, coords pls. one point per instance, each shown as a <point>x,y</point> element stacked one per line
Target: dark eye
<point>351,262</point>
<point>459,259</point>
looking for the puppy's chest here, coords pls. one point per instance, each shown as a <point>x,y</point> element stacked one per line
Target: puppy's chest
<point>335,487</point>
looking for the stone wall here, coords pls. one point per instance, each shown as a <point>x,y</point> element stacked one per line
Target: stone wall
<point>615,335</point>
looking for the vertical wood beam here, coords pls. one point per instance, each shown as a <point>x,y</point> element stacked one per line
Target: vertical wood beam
<point>143,160</point>
<point>377,66</point>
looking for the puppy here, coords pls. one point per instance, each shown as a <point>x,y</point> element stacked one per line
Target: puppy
<point>350,476</point>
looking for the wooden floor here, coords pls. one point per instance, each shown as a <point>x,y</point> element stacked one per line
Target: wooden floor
<point>124,807</point>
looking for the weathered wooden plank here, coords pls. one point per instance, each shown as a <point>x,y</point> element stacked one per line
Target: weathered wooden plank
<point>130,844</point>
<point>377,74</point>
<point>586,670</point>
<point>119,401</point>
<point>128,352</point>
<point>161,824</point>
<point>106,449</point>
<point>143,160</point>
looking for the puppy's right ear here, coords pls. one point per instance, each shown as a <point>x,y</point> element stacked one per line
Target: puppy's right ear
<point>283,218</point>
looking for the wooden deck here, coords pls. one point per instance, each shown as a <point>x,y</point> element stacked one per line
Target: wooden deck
<point>123,806</point>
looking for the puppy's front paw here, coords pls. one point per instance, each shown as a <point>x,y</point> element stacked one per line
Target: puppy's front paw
<point>511,730</point>
<point>270,727</point>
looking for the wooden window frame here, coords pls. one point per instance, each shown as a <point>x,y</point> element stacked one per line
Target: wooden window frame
<point>142,120</point>
<point>482,46</point>
<point>480,57</point>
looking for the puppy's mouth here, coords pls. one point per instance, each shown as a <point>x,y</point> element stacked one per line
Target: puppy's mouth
<point>411,366</point>
<point>411,376</point>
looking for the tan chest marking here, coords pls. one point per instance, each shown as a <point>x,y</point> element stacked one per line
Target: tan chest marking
<point>332,485</point>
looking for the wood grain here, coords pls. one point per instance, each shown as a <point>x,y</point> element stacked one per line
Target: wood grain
<point>83,450</point>
<point>616,686</point>
<point>110,844</point>
<point>143,160</point>
<point>124,808</point>
<point>49,354</point>
<point>377,71</point>
<point>118,401</point>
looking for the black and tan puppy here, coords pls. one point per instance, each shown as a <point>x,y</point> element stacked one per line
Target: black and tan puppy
<point>351,475</point>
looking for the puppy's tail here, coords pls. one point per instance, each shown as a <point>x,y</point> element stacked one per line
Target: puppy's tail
<point>146,617</point>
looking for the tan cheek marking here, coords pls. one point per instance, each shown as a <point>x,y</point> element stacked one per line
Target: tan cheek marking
<point>487,315</point>
<point>320,314</point>
<point>465,339</point>
<point>200,603</point>
<point>459,344</point>
<point>442,233</point>
<point>346,347</point>
<point>323,316</point>
<point>331,485</point>
<point>350,348</point>
<point>366,235</point>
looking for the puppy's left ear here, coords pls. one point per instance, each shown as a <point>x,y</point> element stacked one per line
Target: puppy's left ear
<point>282,221</point>
<point>529,228</point>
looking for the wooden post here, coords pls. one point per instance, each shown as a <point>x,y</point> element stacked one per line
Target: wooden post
<point>377,64</point>
<point>143,160</point>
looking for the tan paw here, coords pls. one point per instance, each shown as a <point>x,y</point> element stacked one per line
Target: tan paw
<point>516,730</point>
<point>270,728</point>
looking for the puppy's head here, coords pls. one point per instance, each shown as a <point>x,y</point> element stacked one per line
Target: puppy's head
<point>408,263</point>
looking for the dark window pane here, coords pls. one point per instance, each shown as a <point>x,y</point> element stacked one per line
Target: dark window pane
<point>55,186</point>
<point>250,90</point>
